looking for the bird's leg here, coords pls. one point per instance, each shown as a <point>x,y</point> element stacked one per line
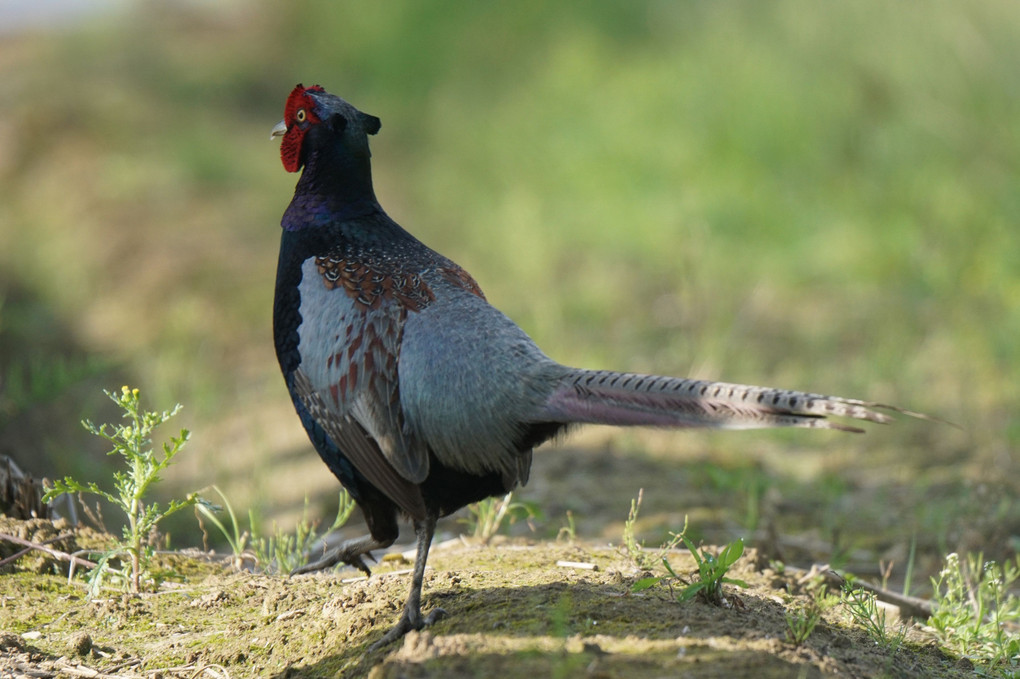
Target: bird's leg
<point>349,552</point>
<point>411,618</point>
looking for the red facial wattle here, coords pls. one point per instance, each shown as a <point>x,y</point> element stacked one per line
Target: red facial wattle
<point>299,115</point>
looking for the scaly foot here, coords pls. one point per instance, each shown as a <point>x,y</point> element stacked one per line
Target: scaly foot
<point>406,624</point>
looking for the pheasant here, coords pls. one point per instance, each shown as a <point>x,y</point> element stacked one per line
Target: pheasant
<point>418,394</point>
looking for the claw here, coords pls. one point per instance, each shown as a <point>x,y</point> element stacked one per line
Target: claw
<point>350,553</point>
<point>434,615</point>
<point>408,622</point>
<point>333,558</point>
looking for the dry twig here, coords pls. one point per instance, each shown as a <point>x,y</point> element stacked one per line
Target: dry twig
<point>63,556</point>
<point>910,605</point>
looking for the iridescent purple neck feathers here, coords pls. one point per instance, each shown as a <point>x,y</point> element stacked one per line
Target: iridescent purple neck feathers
<point>314,211</point>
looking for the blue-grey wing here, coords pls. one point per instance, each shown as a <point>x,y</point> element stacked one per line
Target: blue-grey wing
<point>349,343</point>
<point>470,380</point>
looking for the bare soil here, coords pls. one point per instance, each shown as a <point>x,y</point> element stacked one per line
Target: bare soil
<point>514,610</point>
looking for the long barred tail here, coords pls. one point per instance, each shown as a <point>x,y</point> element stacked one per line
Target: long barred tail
<point>604,397</point>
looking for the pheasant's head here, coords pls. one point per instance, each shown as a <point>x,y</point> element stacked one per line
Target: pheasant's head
<point>312,112</point>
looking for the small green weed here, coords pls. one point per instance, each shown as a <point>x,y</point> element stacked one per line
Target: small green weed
<point>236,537</point>
<point>485,518</point>
<point>864,610</point>
<point>975,615</point>
<point>800,623</point>
<point>133,442</point>
<point>634,549</point>
<point>568,532</point>
<point>712,569</point>
<point>282,552</point>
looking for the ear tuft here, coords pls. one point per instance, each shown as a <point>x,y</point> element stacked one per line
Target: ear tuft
<point>370,123</point>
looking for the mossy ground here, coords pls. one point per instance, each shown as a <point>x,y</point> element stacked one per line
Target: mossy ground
<point>512,612</point>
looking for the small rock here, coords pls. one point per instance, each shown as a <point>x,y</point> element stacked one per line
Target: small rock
<point>964,664</point>
<point>81,644</point>
<point>209,600</point>
<point>288,615</point>
<point>10,642</point>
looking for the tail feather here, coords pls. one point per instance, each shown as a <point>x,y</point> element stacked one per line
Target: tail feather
<point>604,397</point>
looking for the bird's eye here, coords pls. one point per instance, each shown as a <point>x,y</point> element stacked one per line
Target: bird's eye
<point>300,115</point>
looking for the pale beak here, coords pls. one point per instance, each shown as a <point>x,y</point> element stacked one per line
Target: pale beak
<point>279,130</point>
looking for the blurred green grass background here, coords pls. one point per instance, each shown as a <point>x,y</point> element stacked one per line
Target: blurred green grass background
<point>816,196</point>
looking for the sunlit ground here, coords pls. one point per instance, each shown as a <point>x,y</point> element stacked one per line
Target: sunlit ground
<point>782,194</point>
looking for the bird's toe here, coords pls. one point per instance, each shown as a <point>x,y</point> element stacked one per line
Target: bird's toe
<point>408,622</point>
<point>334,557</point>
<point>434,615</point>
